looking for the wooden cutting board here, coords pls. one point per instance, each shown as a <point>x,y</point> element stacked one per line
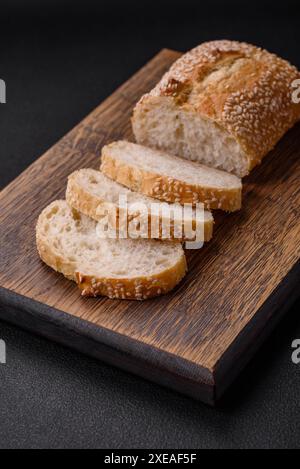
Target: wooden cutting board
<point>196,339</point>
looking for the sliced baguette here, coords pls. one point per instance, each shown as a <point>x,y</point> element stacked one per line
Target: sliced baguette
<point>225,104</point>
<point>91,192</point>
<point>171,179</point>
<point>118,268</point>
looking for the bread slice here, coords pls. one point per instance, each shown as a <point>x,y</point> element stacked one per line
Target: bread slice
<point>91,193</point>
<point>118,268</point>
<point>224,104</point>
<point>172,179</point>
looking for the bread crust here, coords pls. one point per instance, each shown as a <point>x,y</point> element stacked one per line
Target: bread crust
<point>168,189</point>
<point>89,204</point>
<point>141,288</point>
<point>244,89</point>
<point>136,288</point>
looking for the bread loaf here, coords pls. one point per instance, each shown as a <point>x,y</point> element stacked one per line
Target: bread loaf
<point>225,104</point>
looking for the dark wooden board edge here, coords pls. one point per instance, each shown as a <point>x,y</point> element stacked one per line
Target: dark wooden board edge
<point>110,347</point>
<point>252,337</point>
<point>146,361</point>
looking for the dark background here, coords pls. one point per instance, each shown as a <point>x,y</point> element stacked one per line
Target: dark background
<point>60,59</point>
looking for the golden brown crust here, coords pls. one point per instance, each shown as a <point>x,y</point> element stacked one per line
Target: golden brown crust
<point>246,90</point>
<point>89,205</point>
<point>142,288</point>
<point>169,189</point>
<point>138,288</point>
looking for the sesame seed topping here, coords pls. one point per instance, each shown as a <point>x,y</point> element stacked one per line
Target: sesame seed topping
<point>252,101</point>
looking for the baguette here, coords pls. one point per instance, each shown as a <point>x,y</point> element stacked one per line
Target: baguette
<point>68,242</point>
<point>168,178</point>
<point>91,192</point>
<point>225,104</point>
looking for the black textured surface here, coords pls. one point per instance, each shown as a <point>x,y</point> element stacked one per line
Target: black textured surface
<point>59,63</point>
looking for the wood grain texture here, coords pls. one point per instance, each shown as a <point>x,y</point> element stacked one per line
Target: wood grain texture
<point>202,334</point>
